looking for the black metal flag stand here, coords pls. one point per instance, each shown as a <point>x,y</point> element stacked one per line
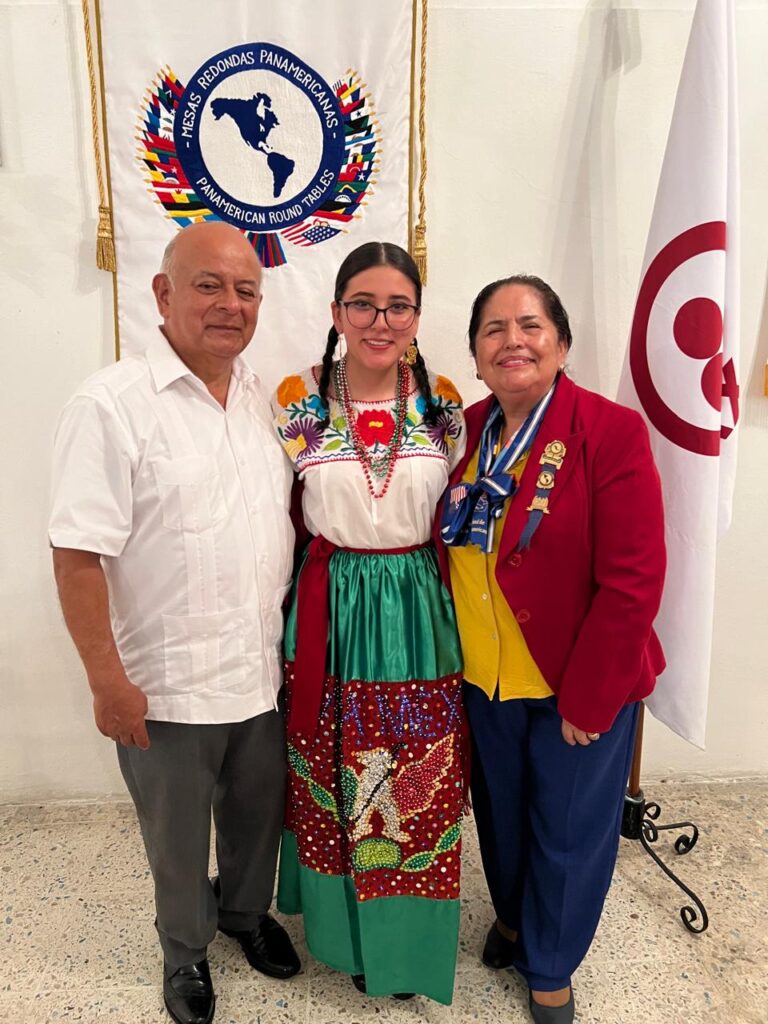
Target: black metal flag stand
<point>639,822</point>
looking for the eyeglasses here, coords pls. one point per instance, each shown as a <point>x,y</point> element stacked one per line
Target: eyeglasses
<point>399,316</point>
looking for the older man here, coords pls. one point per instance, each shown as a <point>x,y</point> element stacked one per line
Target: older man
<point>173,553</point>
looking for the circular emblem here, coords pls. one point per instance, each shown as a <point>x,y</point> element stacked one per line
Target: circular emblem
<point>697,331</point>
<point>260,137</point>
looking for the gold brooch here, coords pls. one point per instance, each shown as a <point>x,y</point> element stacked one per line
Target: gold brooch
<point>546,479</point>
<point>553,456</point>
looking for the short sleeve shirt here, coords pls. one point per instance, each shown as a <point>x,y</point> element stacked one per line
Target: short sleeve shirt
<point>187,504</point>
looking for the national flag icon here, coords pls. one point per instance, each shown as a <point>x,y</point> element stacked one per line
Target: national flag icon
<point>310,233</point>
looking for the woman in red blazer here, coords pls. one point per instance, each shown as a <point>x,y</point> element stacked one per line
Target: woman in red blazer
<point>554,550</point>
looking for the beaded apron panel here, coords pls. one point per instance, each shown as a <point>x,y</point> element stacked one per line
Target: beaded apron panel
<point>377,793</point>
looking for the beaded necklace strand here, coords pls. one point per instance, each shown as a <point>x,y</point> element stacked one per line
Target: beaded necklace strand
<point>375,467</point>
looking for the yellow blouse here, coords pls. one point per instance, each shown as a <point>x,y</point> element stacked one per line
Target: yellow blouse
<point>492,642</point>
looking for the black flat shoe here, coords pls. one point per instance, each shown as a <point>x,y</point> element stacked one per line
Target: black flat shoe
<point>498,952</point>
<point>358,980</point>
<point>267,948</point>
<point>188,993</point>
<point>552,1014</point>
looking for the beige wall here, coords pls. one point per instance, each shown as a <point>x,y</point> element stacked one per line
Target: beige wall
<point>547,124</point>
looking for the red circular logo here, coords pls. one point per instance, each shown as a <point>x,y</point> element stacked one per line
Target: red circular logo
<point>698,333</point>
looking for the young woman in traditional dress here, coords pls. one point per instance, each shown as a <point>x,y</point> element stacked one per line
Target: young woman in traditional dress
<point>370,852</point>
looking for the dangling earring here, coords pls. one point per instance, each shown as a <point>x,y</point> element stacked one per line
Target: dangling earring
<point>340,342</point>
<point>411,354</point>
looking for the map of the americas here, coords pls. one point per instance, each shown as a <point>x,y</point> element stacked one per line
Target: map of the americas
<point>255,119</point>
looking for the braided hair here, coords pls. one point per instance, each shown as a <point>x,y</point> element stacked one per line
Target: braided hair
<point>325,373</point>
<point>376,254</point>
<point>419,369</point>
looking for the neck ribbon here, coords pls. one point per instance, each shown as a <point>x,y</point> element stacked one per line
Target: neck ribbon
<point>471,510</point>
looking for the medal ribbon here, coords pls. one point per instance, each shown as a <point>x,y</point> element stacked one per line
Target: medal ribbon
<point>550,461</point>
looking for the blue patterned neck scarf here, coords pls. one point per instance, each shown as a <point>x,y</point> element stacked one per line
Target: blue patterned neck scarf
<point>471,510</point>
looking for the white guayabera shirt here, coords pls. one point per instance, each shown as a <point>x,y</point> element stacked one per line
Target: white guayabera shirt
<point>187,504</point>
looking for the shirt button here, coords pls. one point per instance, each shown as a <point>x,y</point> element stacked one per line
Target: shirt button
<point>485,597</point>
<point>493,636</point>
<point>515,560</point>
<point>523,615</point>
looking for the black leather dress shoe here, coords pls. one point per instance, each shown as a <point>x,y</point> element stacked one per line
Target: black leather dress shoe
<point>188,993</point>
<point>498,952</point>
<point>267,948</point>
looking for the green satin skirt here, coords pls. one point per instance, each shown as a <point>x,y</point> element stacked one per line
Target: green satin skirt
<point>371,849</point>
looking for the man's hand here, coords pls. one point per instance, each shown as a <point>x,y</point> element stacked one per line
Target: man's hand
<point>119,707</point>
<point>120,710</point>
<point>572,735</point>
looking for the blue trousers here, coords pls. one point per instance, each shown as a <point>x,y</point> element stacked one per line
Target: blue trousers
<point>548,818</point>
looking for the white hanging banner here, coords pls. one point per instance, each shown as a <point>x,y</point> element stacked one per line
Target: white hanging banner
<point>289,120</point>
<point>682,365</point>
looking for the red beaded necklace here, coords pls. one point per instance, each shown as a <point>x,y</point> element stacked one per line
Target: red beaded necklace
<point>375,467</point>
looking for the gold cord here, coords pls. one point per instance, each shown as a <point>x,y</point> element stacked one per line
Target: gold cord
<point>105,241</point>
<point>420,230</point>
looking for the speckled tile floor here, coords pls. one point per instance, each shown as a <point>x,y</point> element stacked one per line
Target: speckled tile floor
<point>79,943</point>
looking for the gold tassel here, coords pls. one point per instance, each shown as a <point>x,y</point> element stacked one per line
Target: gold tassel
<point>106,257</point>
<point>105,243</point>
<point>420,250</point>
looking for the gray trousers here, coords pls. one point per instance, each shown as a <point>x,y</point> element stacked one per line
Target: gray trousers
<point>236,770</point>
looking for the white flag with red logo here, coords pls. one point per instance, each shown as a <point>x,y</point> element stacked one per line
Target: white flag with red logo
<point>681,370</point>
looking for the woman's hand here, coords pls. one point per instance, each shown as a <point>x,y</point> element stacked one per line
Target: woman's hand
<point>572,735</point>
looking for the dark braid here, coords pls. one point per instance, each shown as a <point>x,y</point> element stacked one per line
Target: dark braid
<point>419,370</point>
<point>325,374</point>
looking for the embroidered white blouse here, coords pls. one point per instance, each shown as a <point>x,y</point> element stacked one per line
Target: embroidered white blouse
<point>336,502</point>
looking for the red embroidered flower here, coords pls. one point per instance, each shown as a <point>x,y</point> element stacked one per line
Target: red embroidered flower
<point>375,426</point>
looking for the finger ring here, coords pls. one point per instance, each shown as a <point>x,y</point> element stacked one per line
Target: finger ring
<point>593,735</point>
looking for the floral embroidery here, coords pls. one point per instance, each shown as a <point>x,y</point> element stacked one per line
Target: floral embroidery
<point>376,427</point>
<point>445,389</point>
<point>314,405</point>
<point>445,433</point>
<point>291,390</point>
<point>301,437</point>
<point>299,414</point>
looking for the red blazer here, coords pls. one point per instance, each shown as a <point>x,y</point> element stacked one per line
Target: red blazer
<point>588,588</point>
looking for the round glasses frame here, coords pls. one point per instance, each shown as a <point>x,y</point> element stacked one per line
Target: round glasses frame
<point>363,314</point>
